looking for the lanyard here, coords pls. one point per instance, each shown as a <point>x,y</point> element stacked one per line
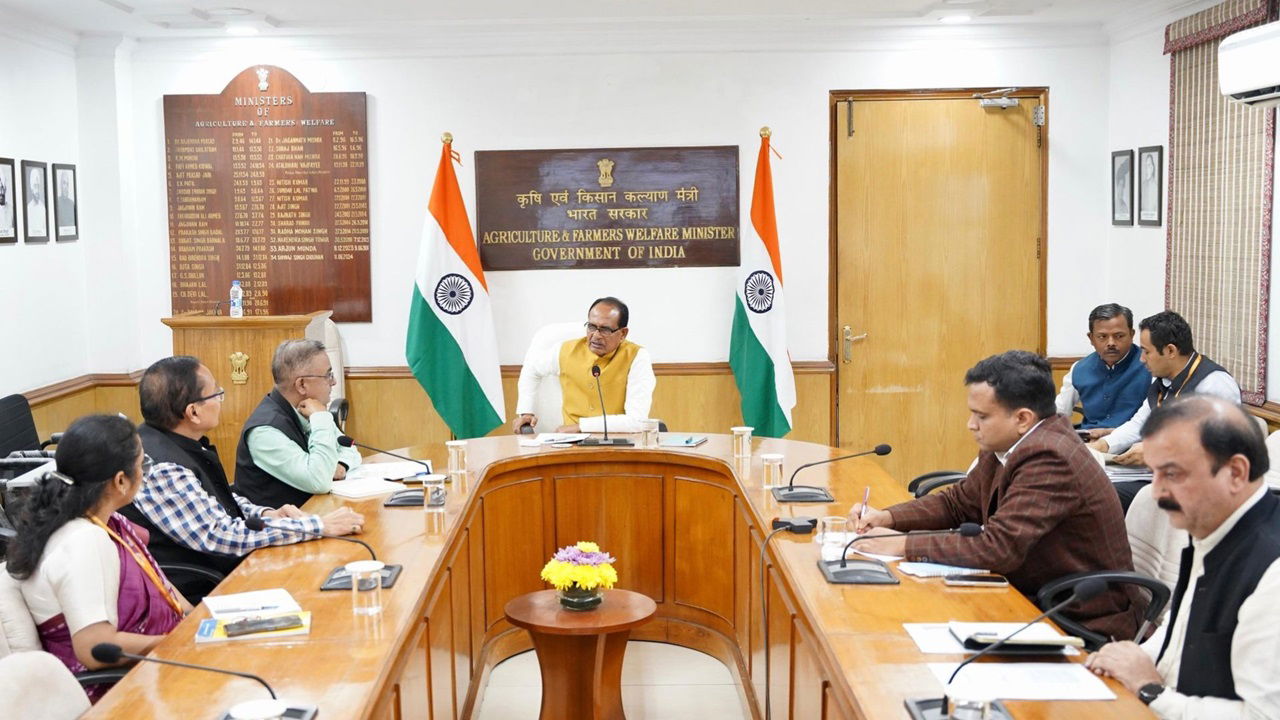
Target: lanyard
<point>1191,371</point>
<point>143,563</point>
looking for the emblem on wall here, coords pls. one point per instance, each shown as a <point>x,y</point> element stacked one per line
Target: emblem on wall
<point>759,291</point>
<point>262,78</point>
<point>606,172</point>
<point>239,368</point>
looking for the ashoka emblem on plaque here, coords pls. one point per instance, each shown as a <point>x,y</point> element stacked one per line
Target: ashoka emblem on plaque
<point>759,291</point>
<point>454,294</point>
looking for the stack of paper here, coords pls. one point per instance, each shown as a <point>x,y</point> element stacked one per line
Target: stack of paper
<point>929,570</point>
<point>977,635</point>
<point>224,609</point>
<point>398,470</point>
<point>354,489</point>
<point>553,439</point>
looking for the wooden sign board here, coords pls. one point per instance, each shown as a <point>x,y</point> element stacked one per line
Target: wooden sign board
<point>607,208</point>
<point>269,184</point>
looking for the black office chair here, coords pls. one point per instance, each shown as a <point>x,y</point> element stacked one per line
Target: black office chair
<point>931,481</point>
<point>1058,590</point>
<point>339,408</point>
<point>193,581</point>
<point>18,427</point>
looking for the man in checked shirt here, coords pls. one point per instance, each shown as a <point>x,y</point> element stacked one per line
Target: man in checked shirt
<point>186,504</point>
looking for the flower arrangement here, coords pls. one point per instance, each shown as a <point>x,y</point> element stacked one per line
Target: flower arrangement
<point>580,567</point>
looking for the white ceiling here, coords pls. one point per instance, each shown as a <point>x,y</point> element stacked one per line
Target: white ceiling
<point>210,18</point>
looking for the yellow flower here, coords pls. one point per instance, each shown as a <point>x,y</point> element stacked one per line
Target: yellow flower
<point>585,546</point>
<point>562,575</point>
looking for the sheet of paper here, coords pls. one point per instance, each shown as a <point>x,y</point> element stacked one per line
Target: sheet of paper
<point>937,639</point>
<point>553,438</point>
<point>928,570</point>
<point>275,601</point>
<point>364,487</point>
<point>1022,681</point>
<point>831,550</point>
<point>397,470</point>
<point>1041,631</point>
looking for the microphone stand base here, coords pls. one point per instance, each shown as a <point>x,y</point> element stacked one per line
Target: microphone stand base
<point>293,711</point>
<point>802,494</point>
<point>932,709</point>
<point>606,442</point>
<point>339,579</point>
<point>857,571</point>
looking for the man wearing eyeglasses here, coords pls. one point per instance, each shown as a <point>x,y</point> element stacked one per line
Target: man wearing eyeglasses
<point>185,503</point>
<point>289,446</point>
<point>626,375</point>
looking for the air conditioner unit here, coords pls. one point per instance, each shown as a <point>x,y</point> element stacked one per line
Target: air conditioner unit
<point>1249,65</point>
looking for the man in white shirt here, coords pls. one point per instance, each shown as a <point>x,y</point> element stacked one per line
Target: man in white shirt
<point>625,375</point>
<point>1219,658</point>
<point>1168,351</point>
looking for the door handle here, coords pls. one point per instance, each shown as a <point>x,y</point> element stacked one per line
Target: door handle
<point>849,340</point>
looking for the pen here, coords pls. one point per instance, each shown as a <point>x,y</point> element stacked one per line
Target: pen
<point>248,609</point>
<point>866,497</point>
<point>688,440</point>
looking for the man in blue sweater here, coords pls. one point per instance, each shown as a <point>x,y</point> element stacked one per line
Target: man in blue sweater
<point>1111,383</point>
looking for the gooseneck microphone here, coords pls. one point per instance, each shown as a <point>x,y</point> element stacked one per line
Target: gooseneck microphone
<point>604,418</point>
<point>1085,591</point>
<point>812,494</point>
<point>968,529</point>
<point>335,579</point>
<point>348,441</point>
<point>111,654</point>
<point>257,524</point>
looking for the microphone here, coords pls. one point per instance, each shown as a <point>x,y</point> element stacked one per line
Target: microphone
<point>348,441</point>
<point>111,654</point>
<point>604,417</point>
<point>388,578</point>
<point>969,529</point>
<point>1085,591</point>
<point>812,494</point>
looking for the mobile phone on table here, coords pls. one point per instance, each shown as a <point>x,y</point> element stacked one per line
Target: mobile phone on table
<point>983,580</point>
<point>1084,435</point>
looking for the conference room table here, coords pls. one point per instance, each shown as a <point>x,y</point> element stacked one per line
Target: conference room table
<point>686,526</point>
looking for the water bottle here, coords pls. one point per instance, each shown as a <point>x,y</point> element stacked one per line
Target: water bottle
<point>237,299</point>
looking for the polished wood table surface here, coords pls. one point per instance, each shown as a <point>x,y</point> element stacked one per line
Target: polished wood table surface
<point>580,651</point>
<point>686,526</point>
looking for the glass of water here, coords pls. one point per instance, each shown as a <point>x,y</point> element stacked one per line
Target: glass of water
<point>649,430</point>
<point>741,441</point>
<point>772,470</point>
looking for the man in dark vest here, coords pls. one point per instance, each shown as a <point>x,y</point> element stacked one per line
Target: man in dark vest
<point>1218,658</point>
<point>289,446</point>
<point>1110,384</point>
<point>185,503</point>
<point>1170,354</point>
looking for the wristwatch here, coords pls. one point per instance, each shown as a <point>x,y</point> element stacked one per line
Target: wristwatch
<point>1149,692</point>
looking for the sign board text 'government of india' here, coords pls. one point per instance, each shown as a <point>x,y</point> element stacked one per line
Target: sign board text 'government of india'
<point>269,185</point>
<point>607,208</point>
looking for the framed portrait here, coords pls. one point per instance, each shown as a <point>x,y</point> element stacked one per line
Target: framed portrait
<point>66,210</point>
<point>35,201</point>
<point>1150,185</point>
<point>1122,187</point>
<point>8,202</point>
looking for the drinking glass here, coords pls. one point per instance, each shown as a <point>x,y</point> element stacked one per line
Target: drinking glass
<point>772,470</point>
<point>649,428</point>
<point>433,492</point>
<point>457,458</point>
<point>366,586</point>
<point>741,441</point>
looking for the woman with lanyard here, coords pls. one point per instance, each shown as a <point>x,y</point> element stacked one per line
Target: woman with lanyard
<point>84,569</point>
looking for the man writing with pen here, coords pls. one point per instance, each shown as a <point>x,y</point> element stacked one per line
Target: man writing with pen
<point>1045,504</point>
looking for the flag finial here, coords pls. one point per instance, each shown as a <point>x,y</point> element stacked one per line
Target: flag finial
<point>446,138</point>
<point>765,131</point>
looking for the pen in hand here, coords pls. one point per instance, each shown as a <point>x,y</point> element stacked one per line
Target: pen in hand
<point>866,498</point>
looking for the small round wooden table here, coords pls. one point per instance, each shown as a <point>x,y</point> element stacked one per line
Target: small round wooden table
<point>580,653</point>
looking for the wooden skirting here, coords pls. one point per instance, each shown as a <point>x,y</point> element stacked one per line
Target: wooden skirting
<point>49,393</point>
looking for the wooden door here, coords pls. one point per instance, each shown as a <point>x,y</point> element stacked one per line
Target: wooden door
<point>938,262</point>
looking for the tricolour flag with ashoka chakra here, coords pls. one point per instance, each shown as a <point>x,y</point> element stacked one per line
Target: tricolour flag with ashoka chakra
<point>451,347</point>
<point>758,348</point>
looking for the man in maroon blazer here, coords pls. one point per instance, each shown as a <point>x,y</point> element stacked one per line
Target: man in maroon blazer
<point>1046,506</point>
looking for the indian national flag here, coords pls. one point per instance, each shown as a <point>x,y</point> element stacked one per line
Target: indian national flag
<point>758,348</point>
<point>451,348</point>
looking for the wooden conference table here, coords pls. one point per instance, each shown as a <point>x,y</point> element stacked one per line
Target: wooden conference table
<point>686,526</point>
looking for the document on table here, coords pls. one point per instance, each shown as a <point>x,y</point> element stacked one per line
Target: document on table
<point>1023,681</point>
<point>397,470</point>
<point>354,489</point>
<point>831,550</point>
<point>929,570</point>
<point>251,604</point>
<point>553,439</point>
<point>938,639</point>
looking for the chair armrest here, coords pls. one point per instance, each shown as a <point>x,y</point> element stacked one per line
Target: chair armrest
<point>204,573</point>
<point>106,676</point>
<point>1058,590</point>
<point>928,482</point>
<point>53,440</point>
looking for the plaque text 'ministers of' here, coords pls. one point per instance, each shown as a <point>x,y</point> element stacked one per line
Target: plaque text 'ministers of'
<point>269,184</point>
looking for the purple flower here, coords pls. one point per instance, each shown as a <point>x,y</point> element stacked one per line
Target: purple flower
<point>574,556</point>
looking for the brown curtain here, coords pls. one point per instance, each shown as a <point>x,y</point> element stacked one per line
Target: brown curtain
<point>1218,261</point>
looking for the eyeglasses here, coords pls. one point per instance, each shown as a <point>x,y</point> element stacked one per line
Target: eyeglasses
<point>604,331</point>
<point>219,396</point>
<point>327,376</point>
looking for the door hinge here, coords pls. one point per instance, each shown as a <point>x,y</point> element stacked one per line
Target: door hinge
<point>1038,247</point>
<point>1037,115</point>
<point>848,117</point>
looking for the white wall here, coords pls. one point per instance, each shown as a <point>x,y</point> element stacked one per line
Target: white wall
<point>635,98</point>
<point>42,286</point>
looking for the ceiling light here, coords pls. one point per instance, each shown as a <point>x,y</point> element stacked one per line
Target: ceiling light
<point>956,19</point>
<point>241,30</point>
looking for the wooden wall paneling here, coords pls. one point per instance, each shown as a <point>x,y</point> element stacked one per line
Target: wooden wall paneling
<point>412,695</point>
<point>810,682</point>
<point>782,641</point>
<point>479,622</point>
<point>440,681</point>
<point>755,650</point>
<point>463,651</point>
<point>704,573</point>
<point>513,559</point>
<point>118,399</point>
<point>55,415</point>
<point>393,412</point>
<point>744,558</point>
<point>621,511</point>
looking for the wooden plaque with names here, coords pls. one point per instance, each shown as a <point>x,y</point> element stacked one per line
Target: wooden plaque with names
<point>607,208</point>
<point>269,184</point>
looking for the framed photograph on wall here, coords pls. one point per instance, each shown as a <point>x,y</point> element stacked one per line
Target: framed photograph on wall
<point>8,202</point>
<point>1150,185</point>
<point>1122,187</point>
<point>66,212</point>
<point>35,201</point>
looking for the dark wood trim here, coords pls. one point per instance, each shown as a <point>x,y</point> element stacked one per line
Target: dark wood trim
<point>1064,362</point>
<point>1270,411</point>
<point>803,367</point>
<point>929,93</point>
<point>59,390</point>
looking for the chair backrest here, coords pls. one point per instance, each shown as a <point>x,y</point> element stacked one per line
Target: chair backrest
<point>37,686</point>
<point>17,628</point>
<point>1272,477</point>
<point>1156,544</point>
<point>548,403</point>
<point>17,426</point>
